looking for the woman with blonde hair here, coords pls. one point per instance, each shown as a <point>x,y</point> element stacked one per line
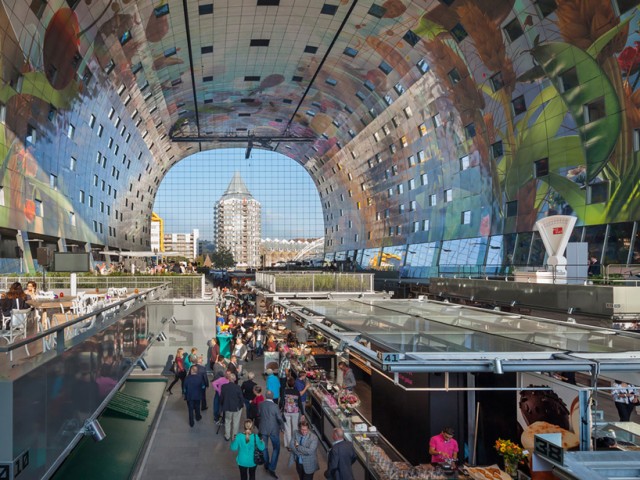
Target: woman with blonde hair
<point>245,444</point>
<point>179,371</point>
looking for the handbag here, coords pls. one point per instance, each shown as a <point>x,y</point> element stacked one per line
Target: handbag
<point>258,455</point>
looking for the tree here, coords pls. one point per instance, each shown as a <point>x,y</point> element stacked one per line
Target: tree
<point>223,258</point>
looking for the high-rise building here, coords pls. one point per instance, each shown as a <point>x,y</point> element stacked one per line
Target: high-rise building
<point>237,223</point>
<point>182,244</point>
<point>157,233</point>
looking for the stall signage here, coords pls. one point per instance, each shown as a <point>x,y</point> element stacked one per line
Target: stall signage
<point>387,357</point>
<point>545,447</point>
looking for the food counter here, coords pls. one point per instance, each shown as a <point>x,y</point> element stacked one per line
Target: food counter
<point>625,434</point>
<point>377,458</point>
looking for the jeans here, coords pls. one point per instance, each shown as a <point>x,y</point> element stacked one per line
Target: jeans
<point>290,425</point>
<point>275,442</point>
<point>247,473</point>
<point>216,407</point>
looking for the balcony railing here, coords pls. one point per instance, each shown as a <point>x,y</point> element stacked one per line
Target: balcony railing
<point>292,282</point>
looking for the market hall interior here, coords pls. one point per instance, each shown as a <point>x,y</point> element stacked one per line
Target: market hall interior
<point>437,132</point>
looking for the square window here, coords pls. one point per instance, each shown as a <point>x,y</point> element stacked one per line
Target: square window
<point>568,79</point>
<point>385,67</point>
<point>408,112</point>
<point>369,85</point>
<point>459,33</point>
<point>513,30</point>
<point>328,9</point>
<point>416,227</point>
<point>519,105</point>
<point>497,149</point>
<point>448,195</point>
<point>399,88</point>
<point>541,167</point>
<point>411,38</point>
<point>350,52</point>
<point>388,99</point>
<point>125,37</point>
<point>545,7</point>
<point>465,217</point>
<point>161,11</point>
<point>393,148</point>
<point>169,52</point>
<point>454,76</point>
<point>331,81</point>
<point>598,193</point>
<point>109,67</point>
<point>310,49</point>
<point>32,135</point>
<point>411,184</point>
<point>206,49</point>
<point>377,11</point>
<point>594,110</point>
<point>470,130</point>
<point>497,81</point>
<point>206,9</point>
<point>386,129</point>
<point>512,208</point>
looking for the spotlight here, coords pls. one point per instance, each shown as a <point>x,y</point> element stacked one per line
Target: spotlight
<point>161,337</point>
<point>497,366</point>
<point>571,310</point>
<point>141,362</point>
<point>173,320</point>
<point>514,303</point>
<point>93,428</point>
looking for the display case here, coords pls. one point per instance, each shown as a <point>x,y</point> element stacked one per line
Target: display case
<point>384,462</point>
<point>625,434</point>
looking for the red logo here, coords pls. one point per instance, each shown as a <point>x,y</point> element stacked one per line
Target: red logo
<point>557,231</point>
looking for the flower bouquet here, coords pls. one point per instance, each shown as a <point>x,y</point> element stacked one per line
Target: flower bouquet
<point>513,455</point>
<point>348,399</point>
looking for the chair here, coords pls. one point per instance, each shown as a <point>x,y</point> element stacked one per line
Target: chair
<point>17,328</point>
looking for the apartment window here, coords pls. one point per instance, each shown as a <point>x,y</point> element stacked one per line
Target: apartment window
<point>30,139</point>
<point>110,144</point>
<point>598,193</point>
<point>407,112</point>
<point>568,79</point>
<point>497,82</point>
<point>416,227</point>
<point>425,225</point>
<point>399,230</point>
<point>411,160</point>
<point>81,196</point>
<point>497,150</point>
<point>594,110</point>
<point>464,162</point>
<point>423,66</point>
<point>465,217</point>
<point>39,208</point>
<point>422,129</point>
<point>458,32</point>
<point>411,38</point>
<point>421,156</point>
<point>390,192</point>
<point>401,208</point>
<point>513,30</point>
<point>424,179</point>
<point>399,88</point>
<point>636,140</point>
<point>72,163</point>
<point>454,76</point>
<point>390,232</point>
<point>400,188</point>
<point>95,180</point>
<point>448,195</point>
<point>91,201</point>
<point>512,208</point>
<point>53,181</point>
<point>519,105</point>
<point>433,200</point>
<point>350,52</point>
<point>541,167</point>
<point>72,218</point>
<point>545,7</point>
<point>100,130</point>
<point>393,148</point>
<point>470,130</point>
<point>92,120</point>
<point>437,120</point>
<point>412,184</point>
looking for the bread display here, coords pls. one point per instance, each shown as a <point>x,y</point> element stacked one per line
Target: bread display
<point>569,439</point>
<point>487,473</point>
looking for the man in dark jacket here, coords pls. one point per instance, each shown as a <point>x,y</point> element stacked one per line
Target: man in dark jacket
<point>341,457</point>
<point>202,371</point>
<point>231,402</point>
<point>247,390</point>
<point>271,423</point>
<point>193,394</point>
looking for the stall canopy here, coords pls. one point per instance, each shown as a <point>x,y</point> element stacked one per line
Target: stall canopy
<point>428,336</point>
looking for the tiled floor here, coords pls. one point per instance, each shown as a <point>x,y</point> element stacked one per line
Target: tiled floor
<point>178,451</point>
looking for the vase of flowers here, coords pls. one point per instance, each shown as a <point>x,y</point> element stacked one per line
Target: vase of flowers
<point>513,455</point>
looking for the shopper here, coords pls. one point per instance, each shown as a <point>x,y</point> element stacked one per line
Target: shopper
<point>245,444</point>
<point>290,406</point>
<point>625,397</point>
<point>179,372</point>
<point>304,447</point>
<point>302,385</point>
<point>202,371</point>
<point>341,458</point>
<point>247,390</point>
<point>217,386</point>
<point>258,398</point>
<point>348,378</point>
<point>193,394</point>
<point>271,424</point>
<point>443,447</point>
<point>273,384</point>
<point>231,403</point>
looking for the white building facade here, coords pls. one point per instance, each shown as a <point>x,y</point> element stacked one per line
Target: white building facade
<point>238,223</point>
<point>182,244</point>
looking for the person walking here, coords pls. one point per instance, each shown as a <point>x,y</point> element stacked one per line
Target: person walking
<point>290,406</point>
<point>231,403</point>
<point>258,398</point>
<point>273,384</point>
<point>271,424</point>
<point>304,447</point>
<point>179,372</point>
<point>302,385</point>
<point>245,444</point>
<point>625,397</point>
<point>341,457</point>
<point>202,371</point>
<point>247,390</point>
<point>217,386</point>
<point>284,369</point>
<point>193,394</point>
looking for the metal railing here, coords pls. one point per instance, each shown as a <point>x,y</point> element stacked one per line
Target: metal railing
<point>104,317</point>
<point>182,286</point>
<point>291,282</point>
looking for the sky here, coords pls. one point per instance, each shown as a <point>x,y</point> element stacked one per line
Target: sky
<point>289,199</point>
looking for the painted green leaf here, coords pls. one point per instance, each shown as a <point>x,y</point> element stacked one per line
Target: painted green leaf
<point>428,30</point>
<point>576,198</point>
<point>599,136</point>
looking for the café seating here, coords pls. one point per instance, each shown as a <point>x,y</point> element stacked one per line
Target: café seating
<point>17,327</point>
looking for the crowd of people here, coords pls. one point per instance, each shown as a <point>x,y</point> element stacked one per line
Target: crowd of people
<point>273,411</point>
